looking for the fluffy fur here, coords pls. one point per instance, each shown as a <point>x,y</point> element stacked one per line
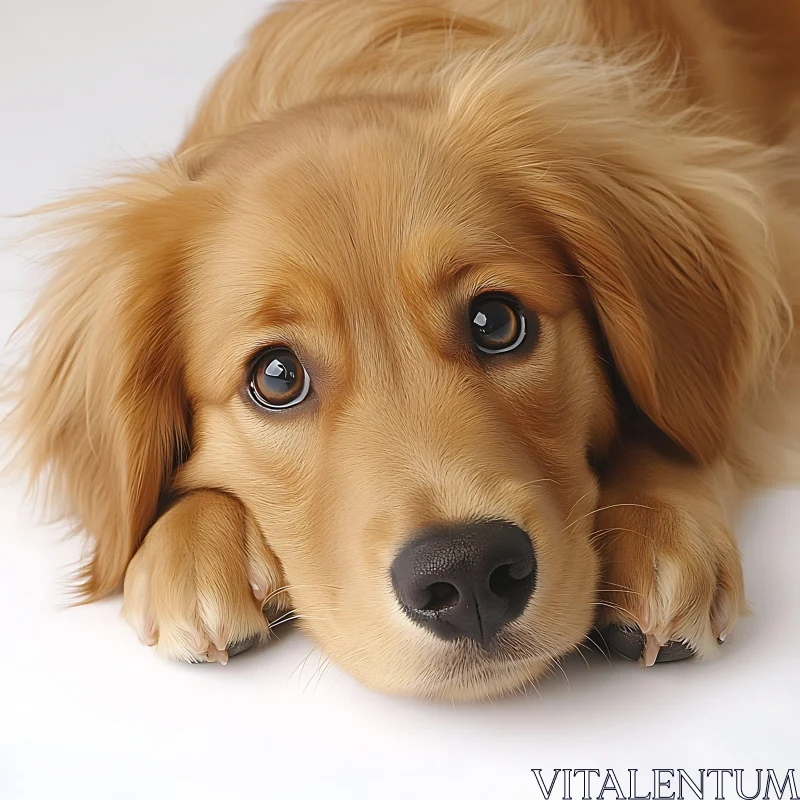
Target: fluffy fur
<point>627,168</point>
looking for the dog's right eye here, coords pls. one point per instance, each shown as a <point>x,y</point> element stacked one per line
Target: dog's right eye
<point>498,324</point>
<point>278,379</point>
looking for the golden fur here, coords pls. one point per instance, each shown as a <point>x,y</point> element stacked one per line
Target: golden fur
<point>627,168</point>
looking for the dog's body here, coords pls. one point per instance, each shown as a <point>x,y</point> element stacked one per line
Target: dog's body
<point>624,170</point>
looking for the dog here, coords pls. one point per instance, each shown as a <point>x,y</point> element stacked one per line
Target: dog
<point>452,329</point>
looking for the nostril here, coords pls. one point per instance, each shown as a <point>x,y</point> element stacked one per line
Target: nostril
<point>442,596</point>
<point>465,581</point>
<point>503,584</point>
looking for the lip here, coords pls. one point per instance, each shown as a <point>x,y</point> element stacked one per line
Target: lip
<point>499,654</point>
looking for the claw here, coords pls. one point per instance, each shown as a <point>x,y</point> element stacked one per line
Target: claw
<point>722,620</point>
<point>149,634</point>
<point>259,586</point>
<point>651,649</point>
<point>260,591</point>
<point>214,654</point>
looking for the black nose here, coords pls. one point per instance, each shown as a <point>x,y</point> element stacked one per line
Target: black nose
<point>466,580</point>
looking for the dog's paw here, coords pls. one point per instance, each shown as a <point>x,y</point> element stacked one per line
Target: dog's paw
<point>202,583</point>
<point>673,584</point>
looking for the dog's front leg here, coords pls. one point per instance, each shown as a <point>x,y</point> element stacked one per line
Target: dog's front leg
<point>197,587</point>
<point>671,564</point>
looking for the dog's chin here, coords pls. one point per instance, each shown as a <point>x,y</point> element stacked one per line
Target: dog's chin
<point>474,681</point>
<point>464,671</point>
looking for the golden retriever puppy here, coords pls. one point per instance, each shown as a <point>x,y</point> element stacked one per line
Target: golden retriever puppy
<point>452,329</point>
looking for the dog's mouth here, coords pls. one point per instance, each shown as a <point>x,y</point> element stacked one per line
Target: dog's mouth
<point>470,671</point>
<point>505,649</point>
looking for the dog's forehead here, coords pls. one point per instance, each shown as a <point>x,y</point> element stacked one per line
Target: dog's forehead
<point>375,211</point>
<point>359,201</point>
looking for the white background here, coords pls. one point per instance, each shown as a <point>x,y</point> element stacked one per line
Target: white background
<point>88,712</point>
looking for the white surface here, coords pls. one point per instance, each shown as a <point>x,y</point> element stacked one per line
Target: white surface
<point>88,712</point>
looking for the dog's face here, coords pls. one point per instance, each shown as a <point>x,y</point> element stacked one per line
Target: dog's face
<point>386,356</point>
<point>391,329</point>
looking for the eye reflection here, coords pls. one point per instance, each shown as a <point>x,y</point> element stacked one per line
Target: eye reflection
<point>278,379</point>
<point>497,324</point>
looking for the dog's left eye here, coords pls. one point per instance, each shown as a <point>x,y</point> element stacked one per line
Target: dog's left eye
<point>497,324</point>
<point>278,379</point>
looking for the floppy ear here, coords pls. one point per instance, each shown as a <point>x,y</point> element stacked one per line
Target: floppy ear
<point>102,416</point>
<point>658,217</point>
<point>671,292</point>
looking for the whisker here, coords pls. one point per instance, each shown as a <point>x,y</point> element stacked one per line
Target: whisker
<point>612,606</point>
<point>622,505</point>
<point>289,587</point>
<point>578,651</point>
<point>619,585</point>
<point>576,503</point>
<point>278,620</point>
<point>323,660</point>
<point>301,666</point>
<point>598,533</point>
<point>599,649</point>
<point>606,508</point>
<point>293,619</point>
<point>538,481</point>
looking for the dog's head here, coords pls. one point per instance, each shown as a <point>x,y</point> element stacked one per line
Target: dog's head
<point>398,330</point>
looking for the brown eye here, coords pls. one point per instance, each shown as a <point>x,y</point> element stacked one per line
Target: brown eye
<point>278,379</point>
<point>497,324</point>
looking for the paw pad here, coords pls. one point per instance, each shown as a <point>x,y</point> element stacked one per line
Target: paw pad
<point>629,642</point>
